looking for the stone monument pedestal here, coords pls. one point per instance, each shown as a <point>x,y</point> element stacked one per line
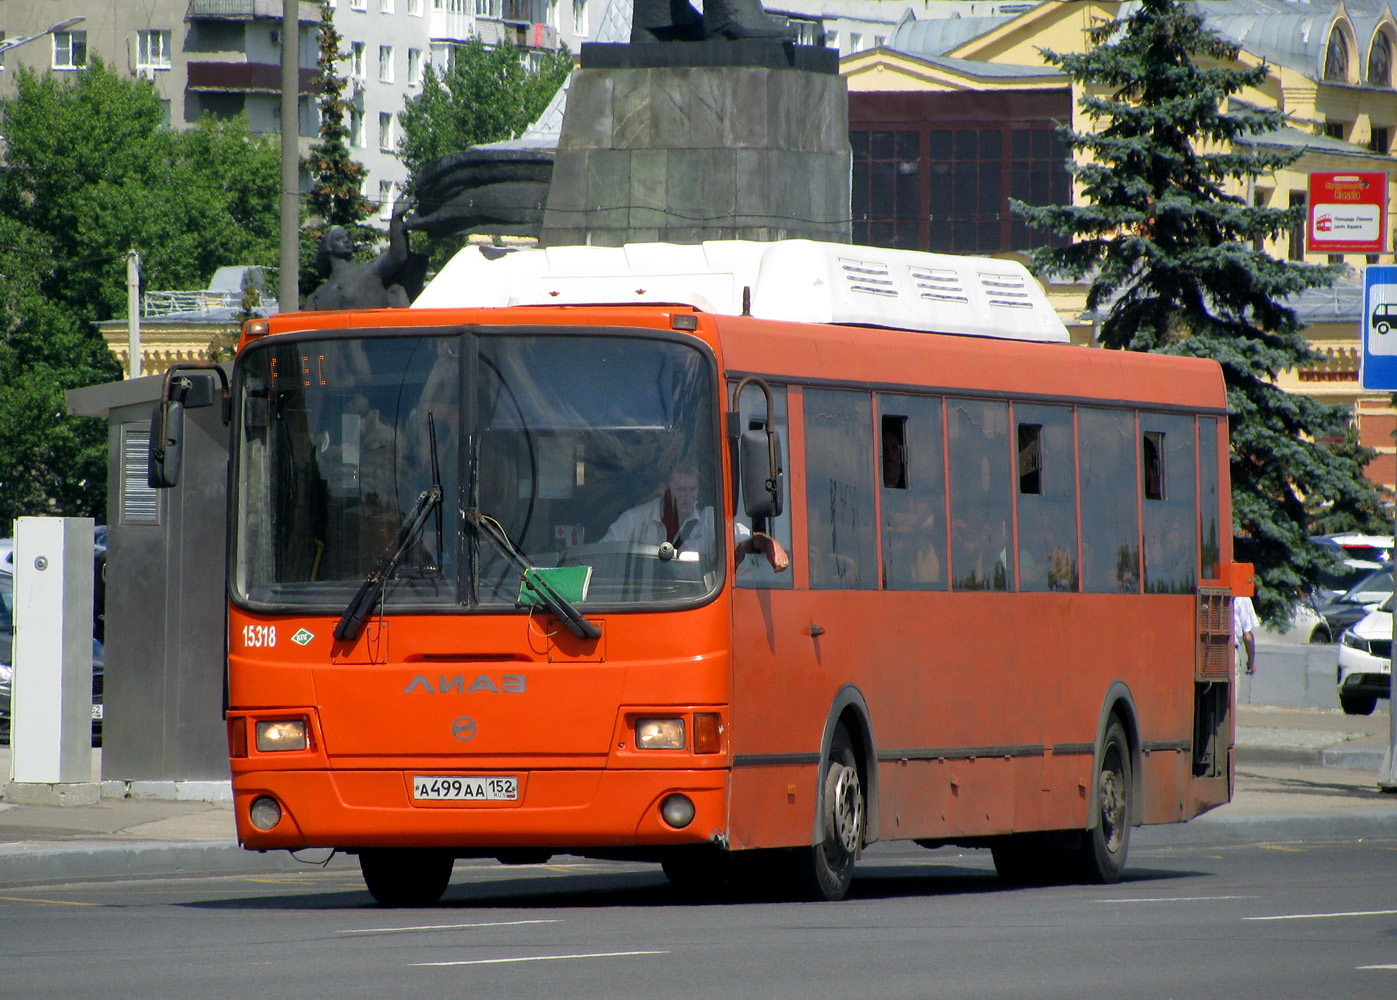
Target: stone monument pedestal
<point>683,142</point>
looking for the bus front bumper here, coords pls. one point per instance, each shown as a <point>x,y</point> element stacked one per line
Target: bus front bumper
<point>559,809</point>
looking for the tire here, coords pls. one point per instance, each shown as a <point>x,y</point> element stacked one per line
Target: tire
<point>1321,634</point>
<point>1101,857</point>
<point>402,877</point>
<point>825,871</point>
<point>1357,704</point>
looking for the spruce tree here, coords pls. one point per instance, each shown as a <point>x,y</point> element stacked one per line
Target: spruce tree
<point>1170,255</point>
<point>336,193</point>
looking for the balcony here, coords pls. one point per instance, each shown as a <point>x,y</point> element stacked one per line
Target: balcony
<point>246,10</point>
<point>244,77</point>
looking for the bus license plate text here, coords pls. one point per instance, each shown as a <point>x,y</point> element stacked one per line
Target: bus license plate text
<point>465,789</point>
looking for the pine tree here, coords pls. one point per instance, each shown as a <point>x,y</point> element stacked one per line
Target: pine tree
<point>336,193</point>
<point>1170,256</point>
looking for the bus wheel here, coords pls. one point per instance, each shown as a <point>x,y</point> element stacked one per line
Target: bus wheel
<point>399,877</point>
<point>1103,850</point>
<point>827,869</point>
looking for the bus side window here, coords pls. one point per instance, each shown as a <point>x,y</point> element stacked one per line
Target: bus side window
<point>1047,498</point>
<point>1171,545</point>
<point>1110,488</point>
<point>839,482</point>
<point>754,571</point>
<point>980,490</point>
<point>914,492</point>
<point>1210,545</point>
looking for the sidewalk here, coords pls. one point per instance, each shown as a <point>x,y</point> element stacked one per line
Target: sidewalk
<point>1301,772</point>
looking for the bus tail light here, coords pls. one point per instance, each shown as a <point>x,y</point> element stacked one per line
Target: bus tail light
<point>285,734</point>
<point>708,733</point>
<point>659,734</point>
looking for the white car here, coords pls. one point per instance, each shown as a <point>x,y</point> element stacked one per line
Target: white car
<point>1365,661</point>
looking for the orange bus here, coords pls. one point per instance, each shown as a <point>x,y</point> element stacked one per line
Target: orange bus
<point>466,621</point>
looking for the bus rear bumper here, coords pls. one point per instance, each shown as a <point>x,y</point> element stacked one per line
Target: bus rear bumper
<point>602,809</point>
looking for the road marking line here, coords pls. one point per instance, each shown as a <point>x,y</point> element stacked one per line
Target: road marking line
<point>51,902</point>
<point>1375,966</point>
<point>1322,916</point>
<point>540,958</point>
<point>1281,847</point>
<point>445,927</point>
<point>1170,899</point>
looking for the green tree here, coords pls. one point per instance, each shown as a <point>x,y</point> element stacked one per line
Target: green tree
<point>92,171</point>
<point>486,95</point>
<point>337,179</point>
<point>1172,265</point>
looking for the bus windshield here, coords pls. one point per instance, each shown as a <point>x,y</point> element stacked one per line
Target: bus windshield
<point>590,460</point>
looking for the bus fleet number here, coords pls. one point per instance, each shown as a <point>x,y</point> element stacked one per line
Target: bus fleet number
<point>258,636</point>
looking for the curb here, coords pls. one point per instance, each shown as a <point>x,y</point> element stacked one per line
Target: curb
<point>1206,830</point>
<point>38,863</point>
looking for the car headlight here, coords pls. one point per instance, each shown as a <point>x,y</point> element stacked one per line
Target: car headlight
<point>7,673</point>
<point>1354,641</point>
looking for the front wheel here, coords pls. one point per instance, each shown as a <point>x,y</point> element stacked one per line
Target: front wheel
<point>826,870</point>
<point>1357,704</point>
<point>402,877</point>
<point>1101,857</point>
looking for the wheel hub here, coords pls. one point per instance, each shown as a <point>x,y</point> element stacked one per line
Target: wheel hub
<point>844,808</point>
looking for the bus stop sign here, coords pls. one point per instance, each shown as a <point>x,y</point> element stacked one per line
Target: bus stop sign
<point>1378,365</point>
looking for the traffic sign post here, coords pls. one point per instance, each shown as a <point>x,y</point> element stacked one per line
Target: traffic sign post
<point>1377,371</point>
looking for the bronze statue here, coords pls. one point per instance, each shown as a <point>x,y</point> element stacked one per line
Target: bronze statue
<point>677,21</point>
<point>390,280</point>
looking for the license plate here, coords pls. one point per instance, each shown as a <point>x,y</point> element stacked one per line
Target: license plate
<point>465,789</point>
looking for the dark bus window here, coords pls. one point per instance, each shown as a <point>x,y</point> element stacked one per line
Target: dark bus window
<point>981,497</point>
<point>754,570</point>
<point>1171,546</point>
<point>1110,501</point>
<point>1047,498</point>
<point>1152,464</point>
<point>894,452</point>
<point>840,512</point>
<point>914,514</point>
<point>1208,513</point>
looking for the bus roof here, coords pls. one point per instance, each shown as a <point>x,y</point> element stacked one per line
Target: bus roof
<point>793,280</point>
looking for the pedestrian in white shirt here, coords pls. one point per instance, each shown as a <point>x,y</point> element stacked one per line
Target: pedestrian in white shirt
<point>1244,624</point>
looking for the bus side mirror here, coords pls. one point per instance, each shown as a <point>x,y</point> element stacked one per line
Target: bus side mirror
<point>186,385</point>
<point>763,480</point>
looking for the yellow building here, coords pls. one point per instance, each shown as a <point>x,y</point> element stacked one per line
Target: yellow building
<point>954,116</point>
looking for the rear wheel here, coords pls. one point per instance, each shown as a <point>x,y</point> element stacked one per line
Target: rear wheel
<point>404,877</point>
<point>1101,858</point>
<point>1357,704</point>
<point>826,870</point>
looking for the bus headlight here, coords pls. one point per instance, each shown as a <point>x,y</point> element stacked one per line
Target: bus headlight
<point>659,734</point>
<point>286,734</point>
<point>265,812</point>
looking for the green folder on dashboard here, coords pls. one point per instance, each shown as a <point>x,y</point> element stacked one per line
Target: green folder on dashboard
<point>568,582</point>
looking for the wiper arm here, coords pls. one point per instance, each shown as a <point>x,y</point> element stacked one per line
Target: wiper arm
<point>351,623</point>
<point>555,602</point>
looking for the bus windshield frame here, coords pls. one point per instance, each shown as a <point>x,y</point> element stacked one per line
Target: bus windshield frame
<point>576,447</point>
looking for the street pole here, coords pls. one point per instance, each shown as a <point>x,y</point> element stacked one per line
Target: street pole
<point>1387,774</point>
<point>133,314</point>
<point>289,295</point>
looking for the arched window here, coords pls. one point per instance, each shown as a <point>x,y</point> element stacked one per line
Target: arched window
<point>1336,58</point>
<point>1380,61</point>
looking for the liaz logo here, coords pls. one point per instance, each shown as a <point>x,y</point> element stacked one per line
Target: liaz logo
<point>507,684</point>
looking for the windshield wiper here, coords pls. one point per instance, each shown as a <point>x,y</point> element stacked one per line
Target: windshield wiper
<point>351,623</point>
<point>555,602</point>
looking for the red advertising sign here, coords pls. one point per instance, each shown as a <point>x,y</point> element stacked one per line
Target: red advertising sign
<point>1348,213</point>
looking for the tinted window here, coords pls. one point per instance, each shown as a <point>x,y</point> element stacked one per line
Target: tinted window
<point>1047,497</point>
<point>1211,545</point>
<point>1110,525</point>
<point>914,493</point>
<point>1167,464</point>
<point>839,489</point>
<point>980,464</point>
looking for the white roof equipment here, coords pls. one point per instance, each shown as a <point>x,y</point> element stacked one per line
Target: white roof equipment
<point>795,280</point>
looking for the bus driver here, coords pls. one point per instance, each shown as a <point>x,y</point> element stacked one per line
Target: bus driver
<point>676,517</point>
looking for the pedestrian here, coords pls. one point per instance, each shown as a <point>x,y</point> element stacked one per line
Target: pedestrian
<point>1244,624</point>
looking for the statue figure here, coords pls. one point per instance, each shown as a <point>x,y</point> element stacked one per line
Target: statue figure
<point>392,279</point>
<point>676,20</point>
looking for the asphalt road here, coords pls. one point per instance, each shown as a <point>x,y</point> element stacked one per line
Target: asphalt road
<point>1301,920</point>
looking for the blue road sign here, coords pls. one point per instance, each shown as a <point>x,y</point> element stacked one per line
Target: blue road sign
<point>1378,365</point>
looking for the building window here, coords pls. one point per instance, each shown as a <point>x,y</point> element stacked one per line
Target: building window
<point>356,61</point>
<point>152,50</point>
<point>69,49</point>
<point>1298,200</point>
<point>579,18</point>
<point>385,131</point>
<point>1380,61</point>
<point>414,7</point>
<point>358,137</point>
<point>1334,130</point>
<point>832,40</point>
<point>441,57</point>
<point>1378,139</point>
<point>358,4</point>
<point>855,41</point>
<point>385,199</point>
<point>1336,58</point>
<point>414,67</point>
<point>385,6</point>
<point>385,64</point>
<point>887,188</point>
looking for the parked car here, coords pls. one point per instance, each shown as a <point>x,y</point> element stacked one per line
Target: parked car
<point>1337,615</point>
<point>1370,548</point>
<point>7,672</point>
<point>1365,661</point>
